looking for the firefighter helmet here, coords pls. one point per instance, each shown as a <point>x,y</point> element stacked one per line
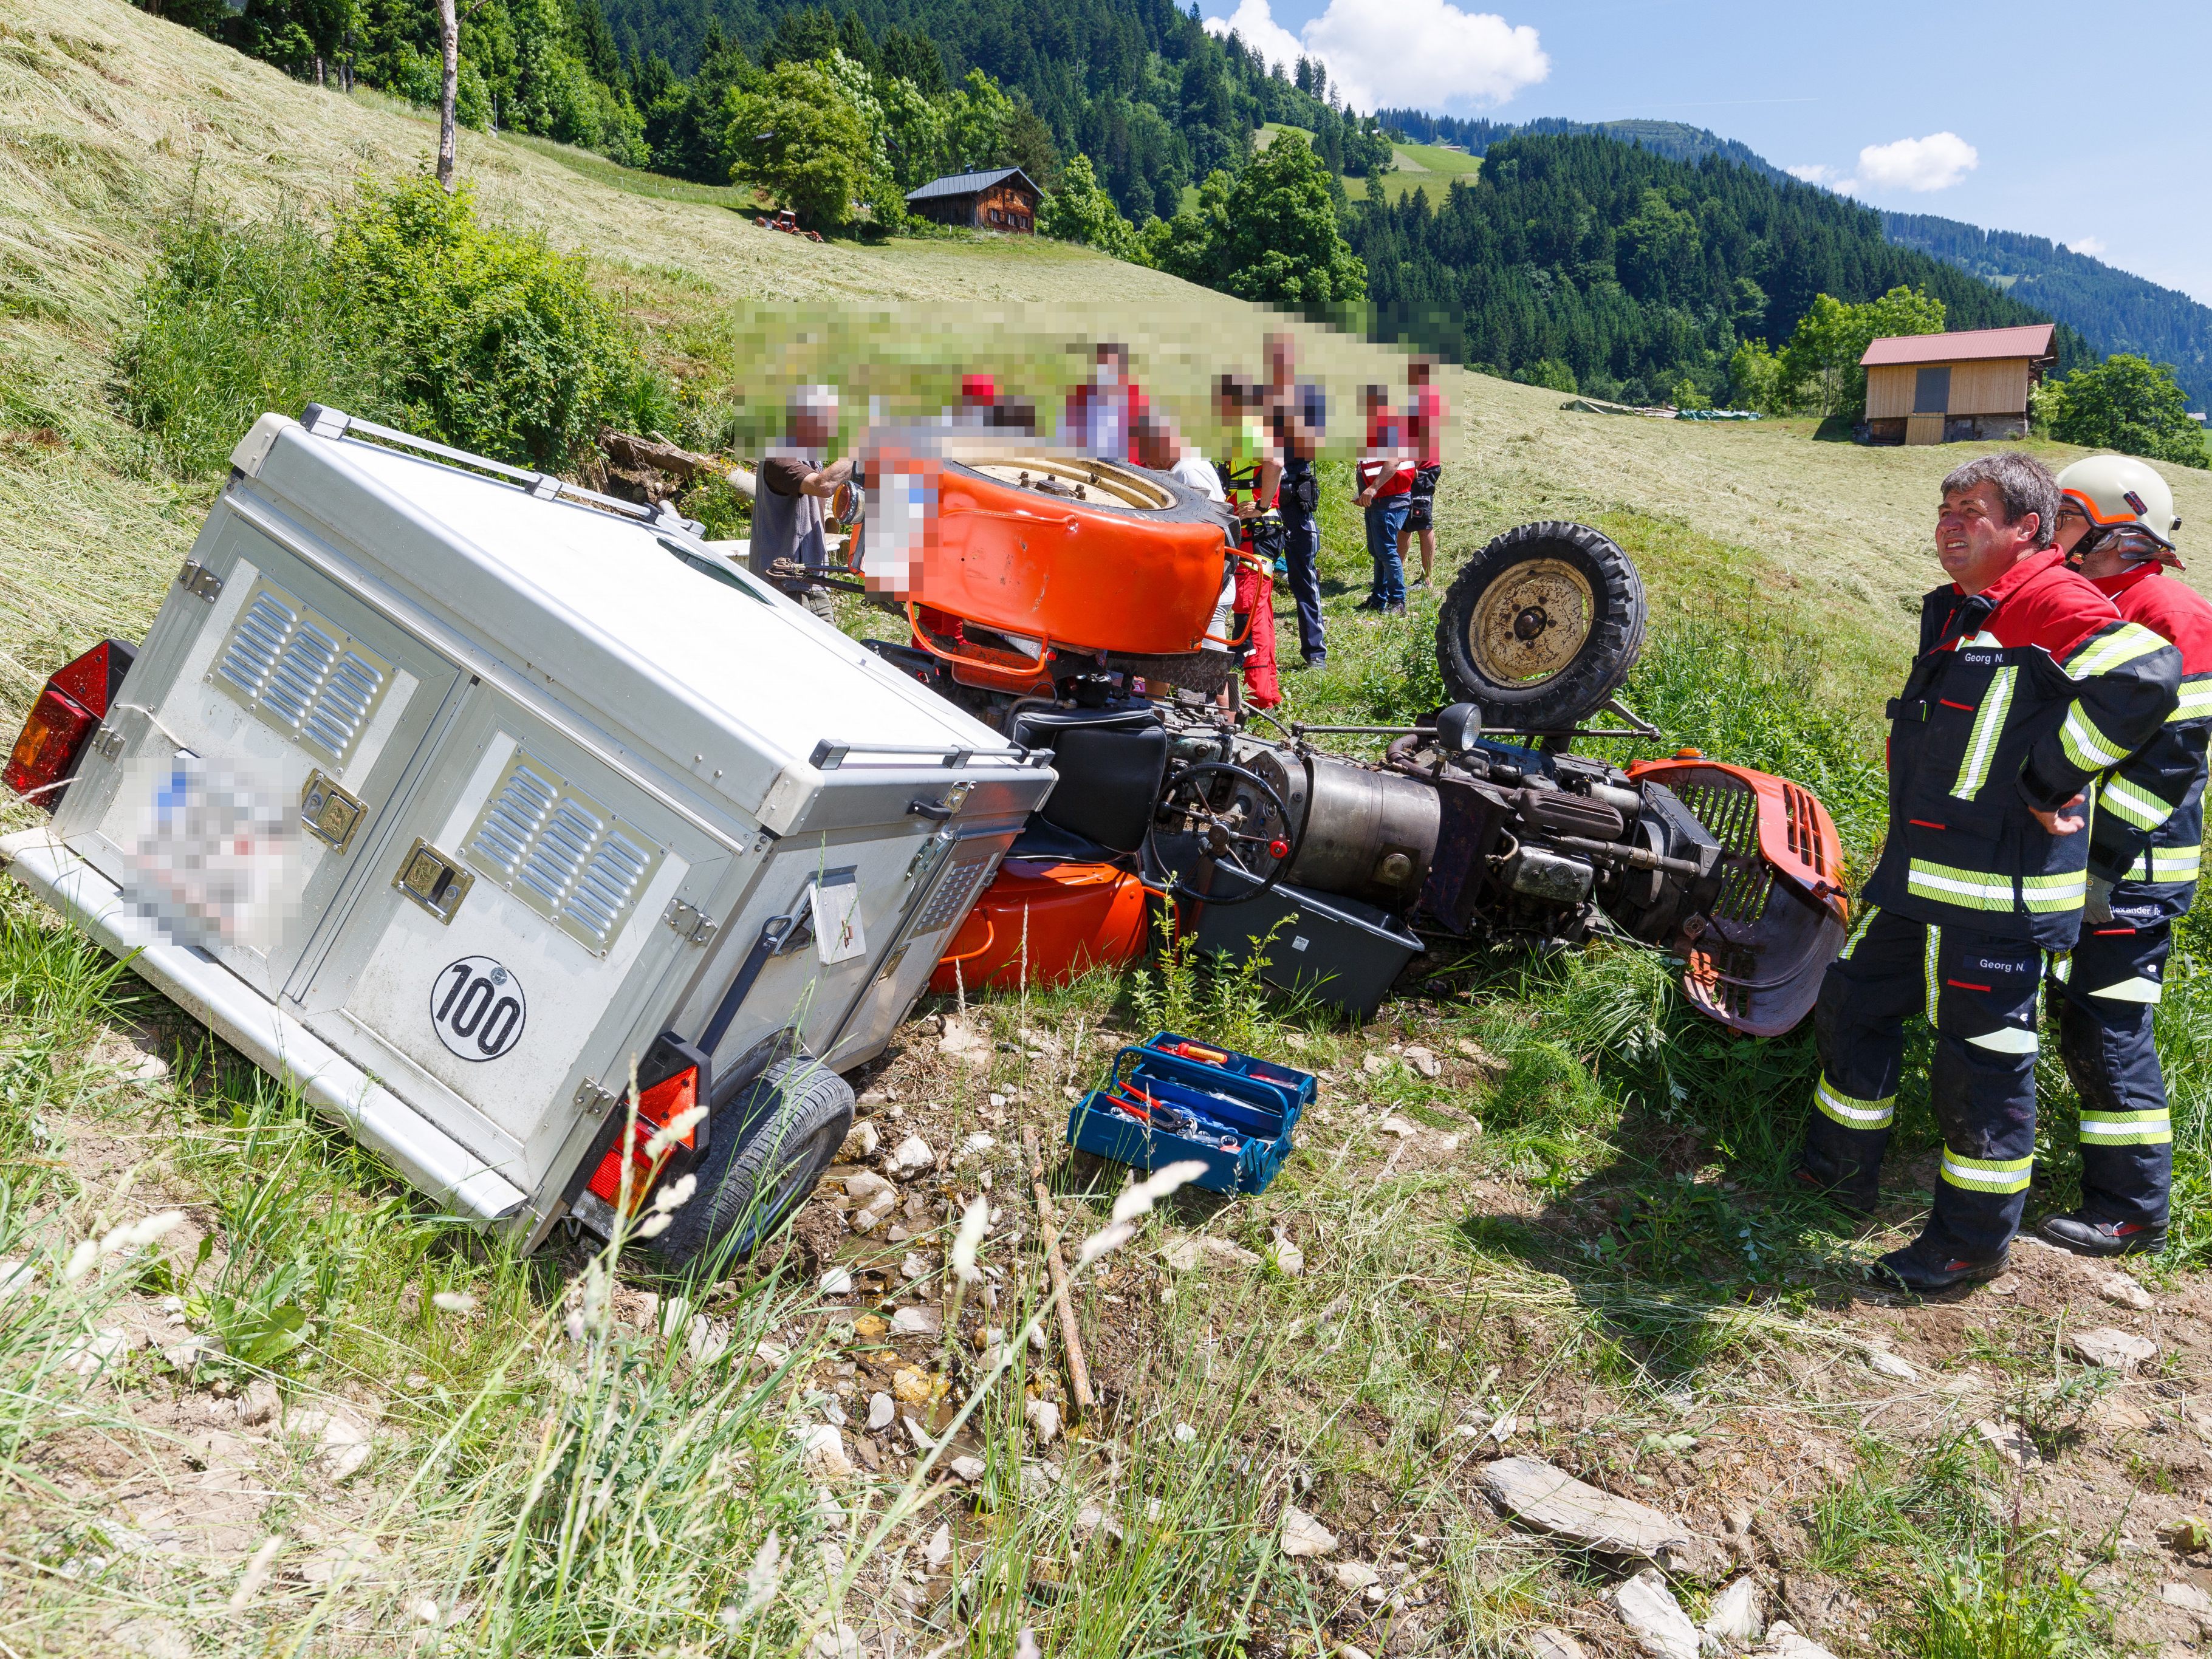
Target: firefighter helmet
<point>2120,492</point>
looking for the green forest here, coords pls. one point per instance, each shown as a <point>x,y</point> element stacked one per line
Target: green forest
<point>1632,273</point>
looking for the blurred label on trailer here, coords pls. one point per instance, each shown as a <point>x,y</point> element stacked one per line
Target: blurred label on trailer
<point>214,857</point>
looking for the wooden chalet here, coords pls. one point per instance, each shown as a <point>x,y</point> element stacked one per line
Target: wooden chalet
<point>1000,199</point>
<point>1953,388</point>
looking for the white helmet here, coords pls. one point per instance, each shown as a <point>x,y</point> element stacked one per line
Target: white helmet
<point>2120,493</point>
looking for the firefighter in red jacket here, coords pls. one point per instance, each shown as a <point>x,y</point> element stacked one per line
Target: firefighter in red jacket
<point>2028,686</point>
<point>2117,525</point>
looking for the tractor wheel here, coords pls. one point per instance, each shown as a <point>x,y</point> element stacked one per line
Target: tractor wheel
<point>1541,627</point>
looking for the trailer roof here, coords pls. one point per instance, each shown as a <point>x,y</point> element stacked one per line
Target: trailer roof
<point>599,609</point>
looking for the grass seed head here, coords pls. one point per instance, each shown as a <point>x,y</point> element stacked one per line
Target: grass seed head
<point>973,1221</point>
<point>257,1572</point>
<point>454,1302</point>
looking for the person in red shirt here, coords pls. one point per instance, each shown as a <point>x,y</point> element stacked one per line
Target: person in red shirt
<point>2117,526</point>
<point>1425,420</point>
<point>1386,492</point>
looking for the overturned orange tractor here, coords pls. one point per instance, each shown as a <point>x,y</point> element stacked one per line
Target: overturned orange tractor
<point>1068,600</point>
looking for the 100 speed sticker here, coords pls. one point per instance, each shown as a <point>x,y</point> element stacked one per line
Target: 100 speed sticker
<point>477,1008</point>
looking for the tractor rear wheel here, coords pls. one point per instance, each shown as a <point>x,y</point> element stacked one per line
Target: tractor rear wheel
<point>1541,627</point>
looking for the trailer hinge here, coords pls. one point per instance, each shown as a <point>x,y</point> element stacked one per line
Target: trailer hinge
<point>594,1098</point>
<point>196,578</point>
<point>107,743</point>
<point>690,922</point>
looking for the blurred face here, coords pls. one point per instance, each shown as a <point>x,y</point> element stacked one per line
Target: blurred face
<point>1282,357</point>
<point>1974,540</point>
<point>813,428</point>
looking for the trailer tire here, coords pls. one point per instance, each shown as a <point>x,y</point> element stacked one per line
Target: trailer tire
<point>768,1149</point>
<point>1498,617</point>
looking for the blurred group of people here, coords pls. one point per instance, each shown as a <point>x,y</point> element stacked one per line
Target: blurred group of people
<point>1273,427</point>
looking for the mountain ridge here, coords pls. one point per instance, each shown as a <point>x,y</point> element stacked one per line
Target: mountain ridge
<point>2114,309</point>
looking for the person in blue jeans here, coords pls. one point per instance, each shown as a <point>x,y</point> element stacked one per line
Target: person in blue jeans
<point>1386,491</point>
<point>1297,414</point>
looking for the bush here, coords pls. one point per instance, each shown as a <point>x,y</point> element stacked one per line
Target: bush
<point>415,314</point>
<point>234,320</point>
<point>490,341</point>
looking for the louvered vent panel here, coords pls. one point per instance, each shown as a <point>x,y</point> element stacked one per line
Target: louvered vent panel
<point>955,894</point>
<point>299,673</point>
<point>561,854</point>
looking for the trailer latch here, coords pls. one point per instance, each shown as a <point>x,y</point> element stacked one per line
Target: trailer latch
<point>594,1098</point>
<point>196,578</point>
<point>330,811</point>
<point>433,880</point>
<point>691,924</point>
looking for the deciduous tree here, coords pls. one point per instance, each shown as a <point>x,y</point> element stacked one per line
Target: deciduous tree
<point>2125,403</point>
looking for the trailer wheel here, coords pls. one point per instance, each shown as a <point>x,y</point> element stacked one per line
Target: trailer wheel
<point>769,1147</point>
<point>1542,626</point>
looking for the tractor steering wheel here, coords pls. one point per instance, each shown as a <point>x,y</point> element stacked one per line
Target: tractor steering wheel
<point>1234,817</point>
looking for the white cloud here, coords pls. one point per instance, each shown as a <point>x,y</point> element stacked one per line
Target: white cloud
<point>1813,172</point>
<point>1936,162</point>
<point>1256,25</point>
<point>2088,245</point>
<point>1407,53</point>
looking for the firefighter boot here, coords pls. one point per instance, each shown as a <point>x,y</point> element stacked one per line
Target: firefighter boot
<point>2114,979</point>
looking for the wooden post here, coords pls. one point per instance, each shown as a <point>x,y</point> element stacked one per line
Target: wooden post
<point>1078,1372</point>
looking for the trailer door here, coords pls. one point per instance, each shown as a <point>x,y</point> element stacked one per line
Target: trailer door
<point>263,734</point>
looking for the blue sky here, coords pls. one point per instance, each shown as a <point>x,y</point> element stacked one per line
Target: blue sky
<point>2091,125</point>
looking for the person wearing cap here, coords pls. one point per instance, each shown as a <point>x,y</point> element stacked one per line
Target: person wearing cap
<point>789,534</point>
<point>2116,526</point>
<point>978,394</point>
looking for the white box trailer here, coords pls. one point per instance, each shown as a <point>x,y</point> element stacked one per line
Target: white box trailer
<point>447,791</point>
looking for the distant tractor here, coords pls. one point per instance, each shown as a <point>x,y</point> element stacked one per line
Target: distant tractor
<point>784,220</point>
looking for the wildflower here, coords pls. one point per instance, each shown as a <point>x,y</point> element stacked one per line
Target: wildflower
<point>425,1610</point>
<point>973,1221</point>
<point>257,1572</point>
<point>454,1302</point>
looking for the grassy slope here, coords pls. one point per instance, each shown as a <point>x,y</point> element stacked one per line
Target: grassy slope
<point>1426,1271</point>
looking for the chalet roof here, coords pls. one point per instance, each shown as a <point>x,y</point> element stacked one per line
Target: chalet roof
<point>967,184</point>
<point>1971,345</point>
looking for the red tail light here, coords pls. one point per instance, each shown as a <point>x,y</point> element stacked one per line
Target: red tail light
<point>657,1107</point>
<point>74,701</point>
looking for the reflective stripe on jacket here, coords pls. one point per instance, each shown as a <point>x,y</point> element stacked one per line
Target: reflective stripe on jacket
<point>2022,695</point>
<point>2148,833</point>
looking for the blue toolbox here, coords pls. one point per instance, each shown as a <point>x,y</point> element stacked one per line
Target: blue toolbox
<point>1174,1097</point>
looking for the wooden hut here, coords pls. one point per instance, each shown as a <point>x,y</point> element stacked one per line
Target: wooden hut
<point>1000,199</point>
<point>1953,388</point>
